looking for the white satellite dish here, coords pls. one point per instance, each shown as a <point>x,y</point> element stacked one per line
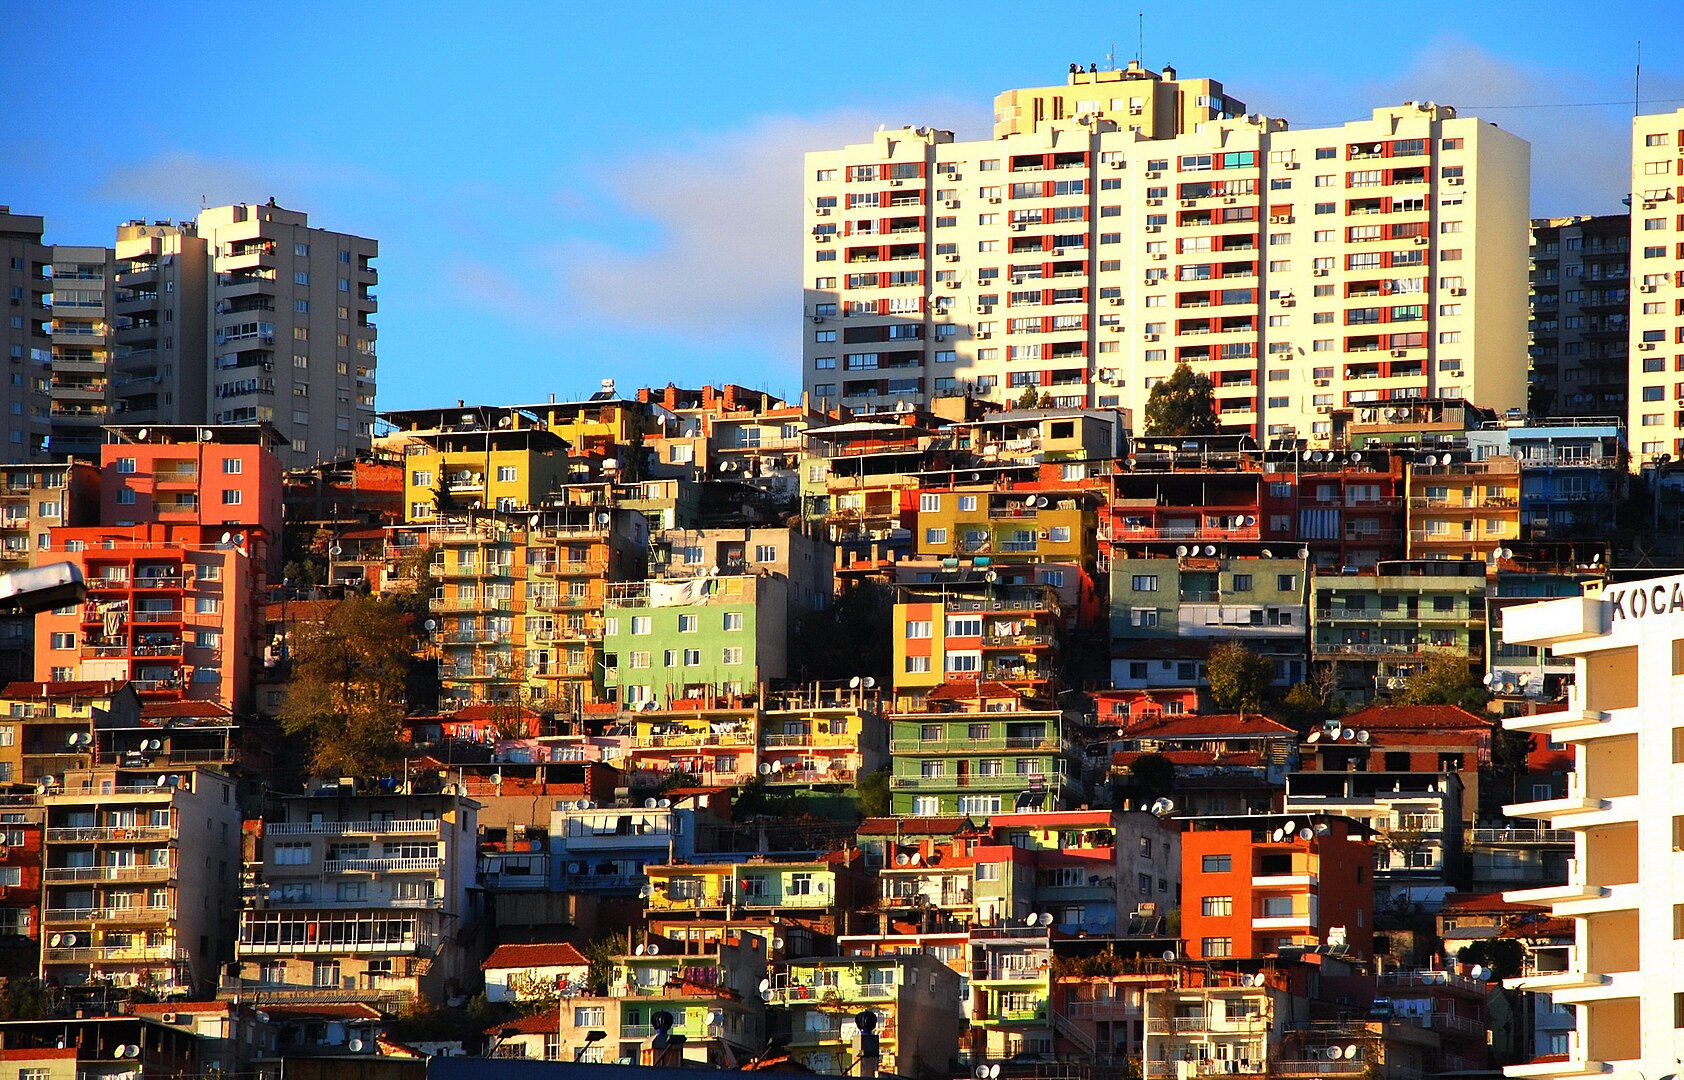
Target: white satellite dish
<point>994,1071</point>
<point>654,949</point>
<point>1181,550</point>
<point>1314,737</point>
<point>1278,835</point>
<point>765,984</point>
<point>1348,735</point>
<point>356,1045</point>
<point>1169,956</point>
<point>1210,549</point>
<point>143,433</point>
<point>854,682</point>
<point>1363,736</point>
<point>1350,1051</point>
<point>1306,834</point>
<point>1290,826</point>
<point>640,950</point>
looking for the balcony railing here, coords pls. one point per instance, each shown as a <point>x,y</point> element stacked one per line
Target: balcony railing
<point>382,866</point>
<point>62,875</point>
<point>140,913</point>
<point>95,834</point>
<point>418,827</point>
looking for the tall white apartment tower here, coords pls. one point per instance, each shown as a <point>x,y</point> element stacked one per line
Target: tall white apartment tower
<point>292,339</point>
<point>1128,221</point>
<point>1624,973</point>
<point>1656,398</point>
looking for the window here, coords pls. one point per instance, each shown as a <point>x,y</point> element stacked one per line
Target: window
<point>733,620</point>
<point>917,630</point>
<point>929,502</point>
<point>231,497</point>
<point>1215,906</point>
<point>232,466</point>
<point>292,854</point>
<point>935,536</point>
<point>692,658</point>
<point>731,654</point>
<point>1145,583</point>
<point>917,665</point>
<point>1218,864</point>
<point>63,641</point>
<point>642,624</point>
<point>689,624</point>
<point>125,465</point>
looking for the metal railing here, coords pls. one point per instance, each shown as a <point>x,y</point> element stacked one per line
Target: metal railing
<point>416,827</point>
<point>380,866</point>
<point>94,834</point>
<point>60,875</point>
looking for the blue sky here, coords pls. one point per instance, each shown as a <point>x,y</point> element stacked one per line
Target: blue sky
<point>566,192</point>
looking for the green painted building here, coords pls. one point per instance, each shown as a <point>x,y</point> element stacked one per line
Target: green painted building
<point>700,637</point>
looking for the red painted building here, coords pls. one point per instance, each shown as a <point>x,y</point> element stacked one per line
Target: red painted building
<point>1255,886</point>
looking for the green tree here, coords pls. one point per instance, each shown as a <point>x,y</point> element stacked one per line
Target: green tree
<point>23,998</point>
<point>871,793</point>
<point>1239,678</point>
<point>1028,398</point>
<point>1444,680</point>
<point>1182,404</point>
<point>601,953</point>
<point>1153,775</point>
<point>348,680</point>
<point>1504,956</point>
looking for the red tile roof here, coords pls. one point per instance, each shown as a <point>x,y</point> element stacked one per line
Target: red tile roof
<point>178,710</point>
<point>327,1010</point>
<point>1249,759</point>
<point>151,1008</point>
<point>304,611</point>
<point>928,826</point>
<point>1539,928</point>
<point>545,954</point>
<point>1433,717</point>
<point>539,1023</point>
<point>1202,726</point>
<point>39,690</point>
<point>1477,903</point>
<point>964,691</point>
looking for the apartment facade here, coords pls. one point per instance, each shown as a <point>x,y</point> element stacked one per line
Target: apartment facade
<point>25,265</point>
<point>292,337</point>
<point>137,880</point>
<point>1655,404</point>
<point>1581,306</point>
<point>35,500</point>
<point>161,308</point>
<point>1302,270</point>
<point>695,637</point>
<point>84,338</point>
<point>1623,892</point>
<point>360,897</point>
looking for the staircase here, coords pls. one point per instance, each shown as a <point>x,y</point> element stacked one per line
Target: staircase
<point>1081,1039</point>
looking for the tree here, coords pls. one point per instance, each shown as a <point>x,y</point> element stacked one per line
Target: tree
<point>1183,404</point>
<point>1504,956</point>
<point>1153,775</point>
<point>347,695</point>
<point>1305,707</point>
<point>1028,398</point>
<point>601,953</point>
<point>1444,680</point>
<point>871,793</point>
<point>1239,678</point>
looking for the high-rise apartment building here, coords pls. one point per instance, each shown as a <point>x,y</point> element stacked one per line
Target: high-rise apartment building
<point>1581,300</point>
<point>1656,412</point>
<point>25,400</point>
<point>161,314</point>
<point>1624,895</point>
<point>1130,222</point>
<point>292,336</point>
<point>82,335</point>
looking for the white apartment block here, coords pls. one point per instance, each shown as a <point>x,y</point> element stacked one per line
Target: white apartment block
<point>1656,398</point>
<point>1128,221</point>
<point>291,336</point>
<point>1624,806</point>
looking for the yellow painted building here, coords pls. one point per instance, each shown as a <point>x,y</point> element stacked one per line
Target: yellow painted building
<point>1462,509</point>
<point>1008,526</point>
<point>476,458</point>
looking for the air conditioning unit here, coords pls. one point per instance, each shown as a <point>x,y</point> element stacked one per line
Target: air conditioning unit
<point>984,309</point>
<point>1160,256</point>
<point>1117,165</point>
<point>1018,226</point>
<point>1648,205</point>
<point>1291,165</point>
<point>1154,228</point>
<point>1153,174</point>
<point>1115,301</point>
<point>1454,181</point>
<point>1324,408</point>
<point>1400,352</point>
<point>984,335</point>
<point>825,239</point>
<point>1323,382</point>
<point>951,258</point>
<point>823,211</point>
<point>995,201</point>
<point>1645,288</point>
<point>1146,337</point>
<point>1458,292</point>
<point>896,183</point>
<point>1058,251</point>
<point>1646,346</point>
<point>951,204</point>
<point>1319,272</point>
<point>1154,202</point>
<point>1230,199</point>
<point>1280,219</point>
<point>1119,328</point>
<point>1187,202</point>
<point>1420,239</point>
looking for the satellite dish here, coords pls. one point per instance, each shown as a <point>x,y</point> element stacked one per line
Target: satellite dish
<point>640,950</point>
<point>1181,550</point>
<point>1303,553</point>
<point>713,571</point>
<point>1363,736</point>
<point>778,943</point>
<point>1322,828</point>
<point>1476,973</point>
<point>870,682</point>
<point>1032,919</point>
<point>714,1017</point>
<point>56,940</point>
<point>854,682</point>
<point>1306,834</point>
<point>765,768</point>
<point>649,804</point>
<point>1348,735</point>
<point>1210,549</point>
<point>1169,956</point>
<point>1351,1051</point>
<point>654,949</point>
<point>766,995</point>
<point>227,538</point>
<point>430,625</point>
<point>994,1071</point>
<point>1290,826</point>
<point>765,985</point>
<point>1278,835</point>
<point>143,433</point>
<point>1314,736</point>
<point>356,1045</point>
<point>1357,456</point>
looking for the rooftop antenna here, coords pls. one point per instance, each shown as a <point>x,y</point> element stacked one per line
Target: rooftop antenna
<point>1637,81</point>
<point>1140,39</point>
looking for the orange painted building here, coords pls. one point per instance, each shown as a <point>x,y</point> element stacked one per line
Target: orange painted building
<point>1253,886</point>
<point>172,606</point>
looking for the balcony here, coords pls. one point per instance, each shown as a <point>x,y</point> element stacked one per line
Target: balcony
<point>71,875</point>
<point>131,954</point>
<point>1013,782</point>
<point>144,913</point>
<point>418,827</point>
<point>383,866</point>
<point>95,835</point>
